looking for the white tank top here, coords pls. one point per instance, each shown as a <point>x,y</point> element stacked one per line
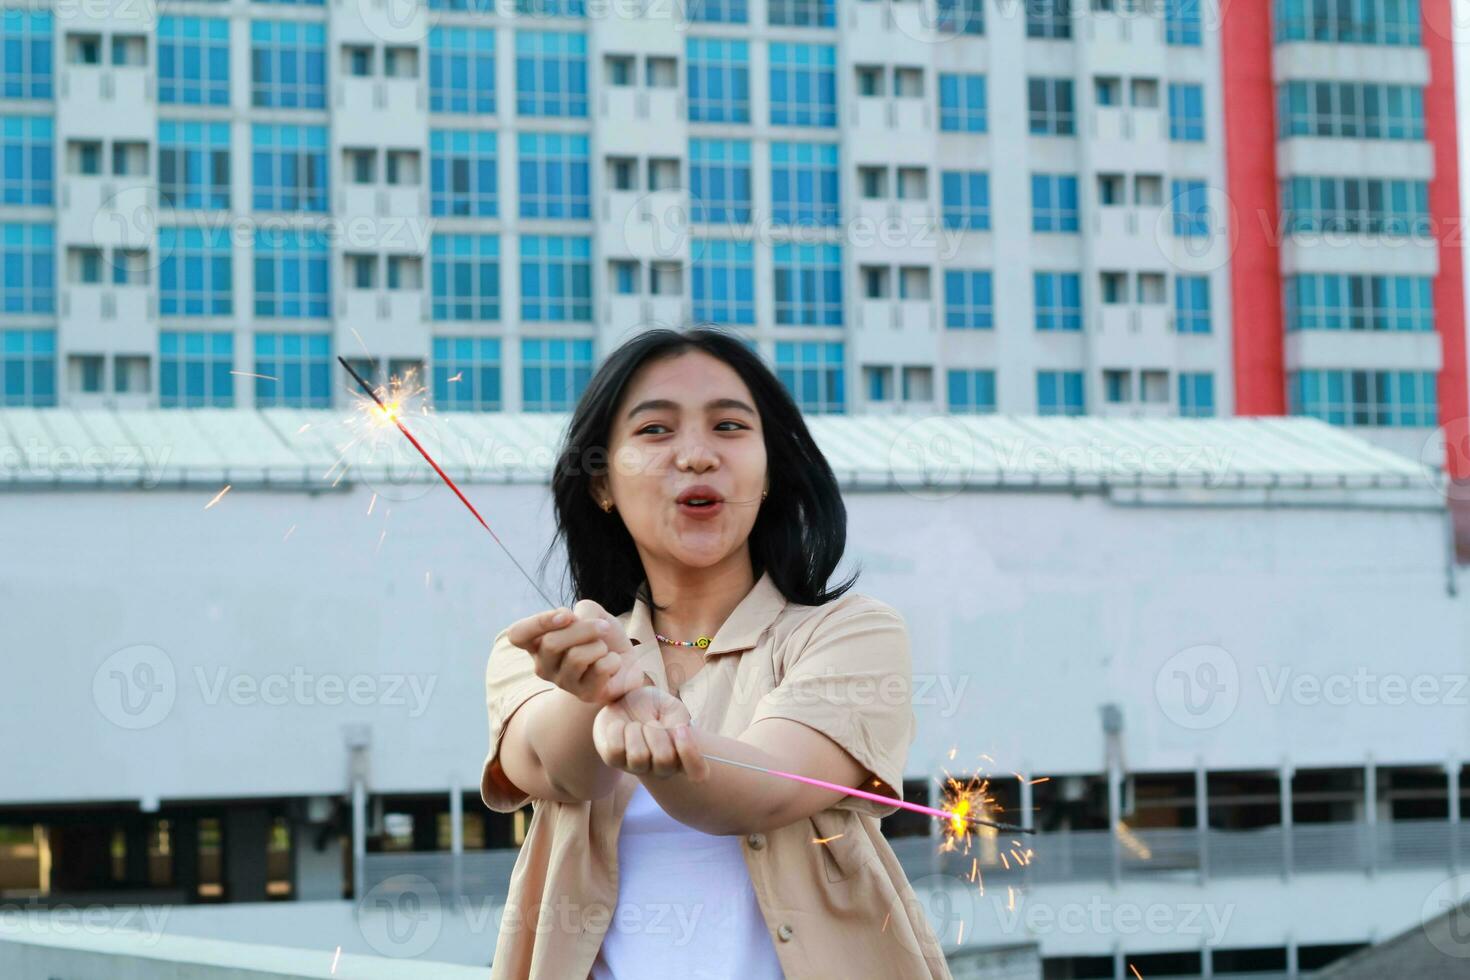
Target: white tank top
<point>686,907</point>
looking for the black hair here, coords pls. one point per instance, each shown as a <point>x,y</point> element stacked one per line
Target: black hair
<point>801,529</point>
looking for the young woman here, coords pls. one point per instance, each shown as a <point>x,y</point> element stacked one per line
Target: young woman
<point>701,524</point>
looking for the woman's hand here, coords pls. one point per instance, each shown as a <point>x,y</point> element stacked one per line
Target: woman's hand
<point>583,650</point>
<point>647,730</point>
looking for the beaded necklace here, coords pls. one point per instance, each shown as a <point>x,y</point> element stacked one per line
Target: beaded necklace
<point>702,642</point>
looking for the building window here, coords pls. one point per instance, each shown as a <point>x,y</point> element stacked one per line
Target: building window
<point>1393,22</point>
<point>812,371</point>
<point>193,61</point>
<point>723,281</point>
<point>25,54</point>
<point>195,272</point>
<point>28,264</point>
<point>1192,304</point>
<point>194,369</point>
<point>551,73</point>
<point>966,199</point>
<point>626,277</point>
<point>467,374</point>
<point>962,103</point>
<point>553,175</point>
<point>1182,23</point>
<point>461,70</point>
<point>290,168</point>
<point>1059,393</point>
<point>288,65</point>
<point>1355,398</point>
<point>292,277</point>
<point>719,180</point>
<point>1196,394</point>
<point>1049,19</point>
<point>969,302</point>
<point>27,160</point>
<point>1351,110</point>
<point>1344,301</point>
<point>296,370</point>
<point>960,17</point>
<point>550,8</point>
<point>554,373</point>
<point>971,392</point>
<point>1049,107</point>
<point>1058,300</point>
<point>804,184</point>
<point>801,13</point>
<point>463,174</point>
<point>803,84</point>
<point>1054,202</point>
<point>194,165</point>
<point>466,271</point>
<point>28,368</point>
<point>556,277</point>
<point>808,285</point>
<point>1191,208</point>
<point>719,80</point>
<point>1186,112</point>
<point>717,12</point>
<point>1356,205</point>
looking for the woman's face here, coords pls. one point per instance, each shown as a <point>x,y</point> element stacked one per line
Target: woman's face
<point>684,422</point>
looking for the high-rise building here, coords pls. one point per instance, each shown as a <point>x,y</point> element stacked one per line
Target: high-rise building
<point>1124,207</point>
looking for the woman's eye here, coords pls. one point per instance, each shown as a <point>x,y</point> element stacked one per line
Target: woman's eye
<point>646,428</point>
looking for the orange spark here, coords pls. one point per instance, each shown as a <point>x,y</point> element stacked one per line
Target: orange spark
<point>1135,971</point>
<point>371,504</point>
<point>248,374</point>
<point>217,497</point>
<point>457,377</point>
<point>823,840</point>
<point>885,922</point>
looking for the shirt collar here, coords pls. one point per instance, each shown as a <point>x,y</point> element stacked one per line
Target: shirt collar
<point>741,630</point>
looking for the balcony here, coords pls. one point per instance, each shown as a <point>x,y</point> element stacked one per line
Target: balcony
<point>379,111</point>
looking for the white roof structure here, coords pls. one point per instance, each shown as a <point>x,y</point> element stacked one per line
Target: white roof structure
<point>306,450</point>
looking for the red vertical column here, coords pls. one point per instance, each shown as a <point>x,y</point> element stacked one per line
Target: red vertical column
<point>1444,205</point>
<point>1250,183</point>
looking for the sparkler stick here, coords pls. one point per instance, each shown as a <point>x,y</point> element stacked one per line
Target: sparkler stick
<point>875,797</point>
<point>952,817</point>
<point>392,416</point>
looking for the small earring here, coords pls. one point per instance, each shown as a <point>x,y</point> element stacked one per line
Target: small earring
<point>763,494</point>
<point>606,506</point>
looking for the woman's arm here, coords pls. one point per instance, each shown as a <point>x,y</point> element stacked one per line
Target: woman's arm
<point>547,750</point>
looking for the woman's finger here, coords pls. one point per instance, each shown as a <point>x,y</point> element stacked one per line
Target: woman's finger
<point>664,758</point>
<point>691,759</point>
<point>526,633</point>
<point>573,673</point>
<point>638,756</point>
<point>608,737</point>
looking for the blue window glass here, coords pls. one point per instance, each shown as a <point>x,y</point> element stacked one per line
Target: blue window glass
<point>466,274</point>
<point>808,285</point>
<point>463,174</point>
<point>551,8</point>
<point>1192,304</point>
<point>723,281</point>
<point>1358,398</point>
<point>1182,23</point>
<point>292,277</point>
<point>553,171</point>
<point>1050,109</point>
<point>551,73</point>
<point>1392,22</point>
<point>554,373</point>
<point>193,61</point>
<point>466,6</point>
<point>1059,393</point>
<point>813,373</point>
<point>1196,394</point>
<point>971,392</point>
<point>290,168</point>
<point>716,12</point>
<point>194,369</point>
<point>461,70</point>
<point>803,84</point>
<point>1058,300</point>
<point>1350,110</point>
<point>28,368</point>
<point>195,272</point>
<point>719,181</point>
<point>1049,19</point>
<point>1356,205</point>
<point>288,63</point>
<point>719,80</point>
<point>801,13</point>
<point>1344,301</point>
<point>556,277</point>
<point>194,165</point>
<point>27,160</point>
<point>804,184</point>
<point>966,199</point>
<point>25,54</point>
<point>962,103</point>
<point>1186,112</point>
<point>295,370</point>
<point>960,17</point>
<point>28,259</point>
<point>466,374</point>
<point>969,301</point>
<point>1191,208</point>
<point>1054,202</point>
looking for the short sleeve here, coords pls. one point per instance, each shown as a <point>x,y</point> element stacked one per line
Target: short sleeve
<point>510,681</point>
<point>850,679</point>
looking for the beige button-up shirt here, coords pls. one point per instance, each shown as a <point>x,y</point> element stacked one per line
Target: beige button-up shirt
<point>839,908</point>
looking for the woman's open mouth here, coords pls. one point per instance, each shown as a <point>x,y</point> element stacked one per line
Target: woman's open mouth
<point>700,502</point>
